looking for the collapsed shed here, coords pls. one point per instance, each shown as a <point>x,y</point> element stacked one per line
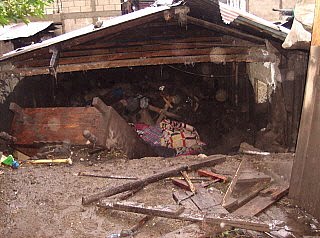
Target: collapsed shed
<point>234,81</point>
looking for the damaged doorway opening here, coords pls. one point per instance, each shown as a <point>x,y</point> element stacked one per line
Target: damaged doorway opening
<point>223,105</point>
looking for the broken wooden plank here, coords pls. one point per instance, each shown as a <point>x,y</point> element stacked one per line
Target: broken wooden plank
<point>224,29</point>
<point>210,161</point>
<point>253,177</point>
<point>203,200</point>
<point>212,175</point>
<point>189,182</point>
<point>182,198</point>
<point>260,203</point>
<point>181,184</point>
<point>118,134</point>
<point>87,174</point>
<point>232,184</point>
<point>250,223</point>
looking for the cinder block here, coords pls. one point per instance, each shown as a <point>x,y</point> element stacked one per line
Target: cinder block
<point>103,2</point>
<point>115,2</point>
<point>74,9</point>
<point>80,3</point>
<point>65,10</point>
<point>67,4</point>
<point>86,9</point>
<point>118,7</point>
<point>99,8</point>
<point>110,7</point>
<point>69,25</point>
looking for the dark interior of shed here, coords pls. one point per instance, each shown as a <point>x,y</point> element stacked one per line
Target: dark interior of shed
<point>216,99</point>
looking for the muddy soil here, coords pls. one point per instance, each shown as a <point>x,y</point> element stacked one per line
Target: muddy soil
<point>45,201</point>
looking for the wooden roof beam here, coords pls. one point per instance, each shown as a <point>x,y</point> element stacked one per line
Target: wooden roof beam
<point>224,29</point>
<point>222,58</point>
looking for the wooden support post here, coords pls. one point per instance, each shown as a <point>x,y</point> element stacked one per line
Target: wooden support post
<point>223,29</point>
<point>304,185</point>
<point>213,160</point>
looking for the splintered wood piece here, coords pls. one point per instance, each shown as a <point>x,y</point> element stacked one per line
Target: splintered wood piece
<point>205,200</point>
<point>277,194</point>
<point>210,161</point>
<point>87,174</point>
<point>181,184</point>
<point>260,203</point>
<point>159,210</point>
<point>212,175</point>
<point>183,199</point>
<point>189,182</point>
<point>232,184</point>
<point>252,177</point>
<point>173,212</point>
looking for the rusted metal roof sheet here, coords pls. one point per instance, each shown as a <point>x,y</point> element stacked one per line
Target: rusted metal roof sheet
<point>19,30</point>
<point>230,14</point>
<point>86,30</point>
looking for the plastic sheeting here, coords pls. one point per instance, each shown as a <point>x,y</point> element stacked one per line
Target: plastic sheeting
<point>300,35</point>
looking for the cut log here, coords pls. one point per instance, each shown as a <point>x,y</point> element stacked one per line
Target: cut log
<point>211,161</point>
<point>174,213</point>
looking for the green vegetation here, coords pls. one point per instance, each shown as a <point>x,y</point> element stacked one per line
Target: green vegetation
<point>20,10</point>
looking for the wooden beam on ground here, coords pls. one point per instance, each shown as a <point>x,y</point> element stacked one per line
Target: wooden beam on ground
<point>169,212</point>
<point>210,161</point>
<point>260,203</point>
<point>224,29</point>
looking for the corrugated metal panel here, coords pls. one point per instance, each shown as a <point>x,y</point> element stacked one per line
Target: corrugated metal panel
<point>86,30</point>
<point>230,14</point>
<point>15,31</point>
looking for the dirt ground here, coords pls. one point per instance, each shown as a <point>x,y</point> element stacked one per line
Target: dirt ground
<point>45,201</point>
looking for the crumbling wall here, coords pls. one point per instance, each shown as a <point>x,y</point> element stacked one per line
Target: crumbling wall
<point>8,82</point>
<point>280,96</point>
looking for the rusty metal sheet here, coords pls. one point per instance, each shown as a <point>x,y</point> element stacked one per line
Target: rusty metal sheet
<point>230,14</point>
<point>87,30</point>
<point>21,30</point>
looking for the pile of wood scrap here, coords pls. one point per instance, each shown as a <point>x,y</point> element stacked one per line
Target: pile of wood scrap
<point>197,200</point>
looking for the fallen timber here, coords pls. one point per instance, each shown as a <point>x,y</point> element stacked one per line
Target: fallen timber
<point>249,223</point>
<point>210,161</point>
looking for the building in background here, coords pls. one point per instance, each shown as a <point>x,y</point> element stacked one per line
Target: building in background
<point>262,8</point>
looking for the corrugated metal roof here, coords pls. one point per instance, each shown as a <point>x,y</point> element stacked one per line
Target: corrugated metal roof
<point>19,30</point>
<point>230,14</point>
<point>86,30</point>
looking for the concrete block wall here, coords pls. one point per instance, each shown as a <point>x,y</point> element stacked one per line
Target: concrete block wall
<point>263,8</point>
<point>74,14</point>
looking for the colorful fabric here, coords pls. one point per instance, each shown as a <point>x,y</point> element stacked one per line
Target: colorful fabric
<point>180,136</point>
<point>150,134</point>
